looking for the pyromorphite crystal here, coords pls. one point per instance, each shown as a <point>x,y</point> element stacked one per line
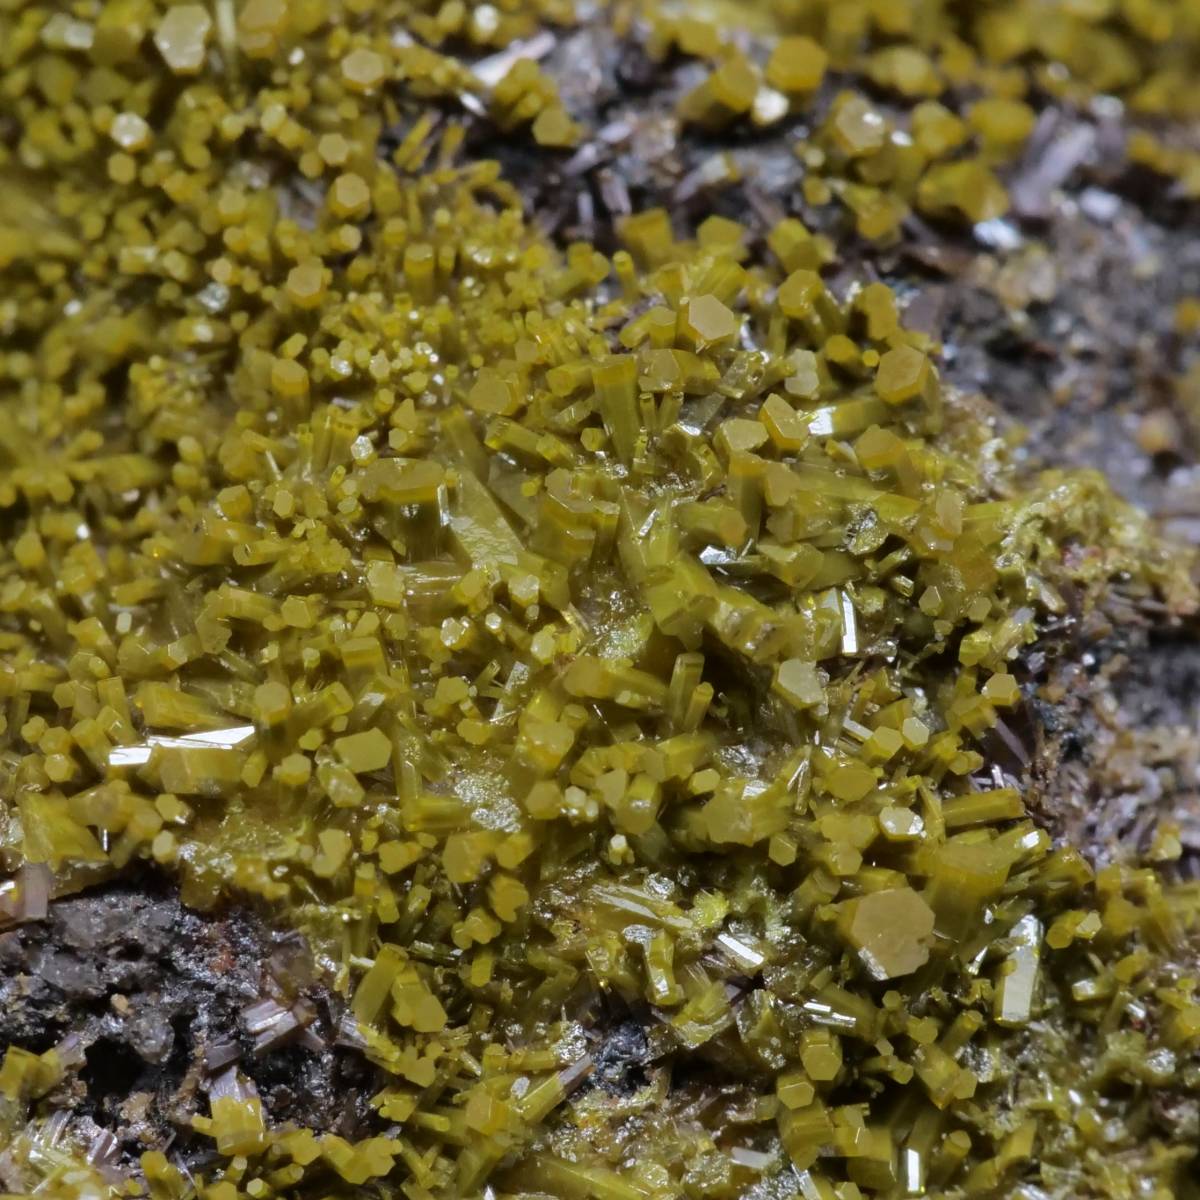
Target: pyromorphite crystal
<point>260,25</point>
<point>728,93</point>
<point>305,283</point>
<point>182,36</point>
<point>1017,986</point>
<point>821,1055</point>
<point>349,195</point>
<point>130,132</point>
<point>800,292</point>
<point>708,321</point>
<point>799,683</point>
<point>1001,123</point>
<point>289,378</point>
<point>904,374</point>
<point>967,188</point>
<point>788,430</point>
<point>855,126</point>
<point>851,783</point>
<point>797,64</point>
<point>554,127</point>
<point>369,751</point>
<point>592,634</point>
<point>363,69</point>
<point>892,931</point>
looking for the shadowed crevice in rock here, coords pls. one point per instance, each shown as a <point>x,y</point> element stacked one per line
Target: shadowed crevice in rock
<point>160,999</point>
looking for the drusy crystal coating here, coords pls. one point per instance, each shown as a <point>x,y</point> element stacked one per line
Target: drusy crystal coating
<point>593,647</point>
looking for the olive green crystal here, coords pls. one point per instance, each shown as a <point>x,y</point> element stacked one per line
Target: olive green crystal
<point>891,930</point>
